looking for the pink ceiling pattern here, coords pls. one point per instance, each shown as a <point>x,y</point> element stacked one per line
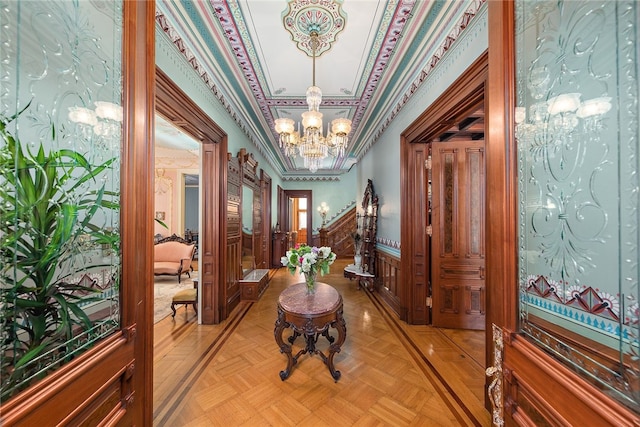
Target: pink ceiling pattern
<point>240,48</point>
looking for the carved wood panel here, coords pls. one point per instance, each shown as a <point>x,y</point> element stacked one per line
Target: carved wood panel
<point>387,282</point>
<point>233,261</point>
<point>458,233</point>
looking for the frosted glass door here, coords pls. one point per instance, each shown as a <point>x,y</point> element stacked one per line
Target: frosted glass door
<point>577,138</point>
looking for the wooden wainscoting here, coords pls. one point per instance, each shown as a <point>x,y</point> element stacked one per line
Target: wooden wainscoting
<point>386,282</point>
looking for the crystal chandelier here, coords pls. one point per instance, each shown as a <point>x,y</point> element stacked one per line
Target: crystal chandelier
<point>312,145</point>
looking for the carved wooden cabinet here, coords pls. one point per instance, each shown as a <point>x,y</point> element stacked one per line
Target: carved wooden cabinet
<point>368,227</point>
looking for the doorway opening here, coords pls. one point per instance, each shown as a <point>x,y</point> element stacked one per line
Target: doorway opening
<point>298,220</point>
<point>443,192</point>
<point>293,215</point>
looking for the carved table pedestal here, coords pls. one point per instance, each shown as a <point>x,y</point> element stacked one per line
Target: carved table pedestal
<point>310,316</point>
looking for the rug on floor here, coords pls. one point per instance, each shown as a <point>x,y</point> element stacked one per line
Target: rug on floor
<point>165,287</point>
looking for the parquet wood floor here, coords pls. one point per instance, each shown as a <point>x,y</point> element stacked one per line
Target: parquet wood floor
<point>393,374</point>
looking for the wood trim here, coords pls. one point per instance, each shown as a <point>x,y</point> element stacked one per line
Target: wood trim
<point>67,394</point>
<point>299,194</point>
<point>137,204</point>
<point>230,292</point>
<point>458,100</point>
<point>540,387</point>
<point>501,164</point>
<point>461,98</point>
<point>266,191</point>
<point>175,105</point>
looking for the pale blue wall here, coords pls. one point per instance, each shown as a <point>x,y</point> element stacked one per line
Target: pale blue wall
<point>382,162</point>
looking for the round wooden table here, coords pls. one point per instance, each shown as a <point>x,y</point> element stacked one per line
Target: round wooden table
<point>310,316</point>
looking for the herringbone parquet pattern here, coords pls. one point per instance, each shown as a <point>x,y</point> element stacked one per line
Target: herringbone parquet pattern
<point>393,374</point>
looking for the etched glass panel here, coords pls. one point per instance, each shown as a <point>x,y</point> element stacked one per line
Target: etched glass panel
<point>577,144</point>
<point>60,122</point>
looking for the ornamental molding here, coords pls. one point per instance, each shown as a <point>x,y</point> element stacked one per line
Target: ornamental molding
<point>325,17</point>
<point>425,74</point>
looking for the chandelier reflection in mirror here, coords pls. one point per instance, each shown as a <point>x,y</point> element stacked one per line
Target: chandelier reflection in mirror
<point>312,145</point>
<point>103,123</point>
<point>560,119</point>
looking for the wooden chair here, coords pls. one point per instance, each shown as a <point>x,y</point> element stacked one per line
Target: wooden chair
<point>186,297</point>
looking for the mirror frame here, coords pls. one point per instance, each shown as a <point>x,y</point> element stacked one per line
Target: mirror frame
<point>248,194</point>
<point>251,181</point>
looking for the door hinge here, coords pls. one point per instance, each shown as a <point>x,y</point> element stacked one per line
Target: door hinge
<point>429,302</point>
<point>429,230</point>
<point>427,163</point>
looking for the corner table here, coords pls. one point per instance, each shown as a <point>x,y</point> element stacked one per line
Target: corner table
<point>310,316</point>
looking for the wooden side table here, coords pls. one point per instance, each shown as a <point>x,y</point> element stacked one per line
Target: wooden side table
<point>310,316</point>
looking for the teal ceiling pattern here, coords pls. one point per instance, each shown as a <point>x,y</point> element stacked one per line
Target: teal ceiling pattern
<point>245,52</point>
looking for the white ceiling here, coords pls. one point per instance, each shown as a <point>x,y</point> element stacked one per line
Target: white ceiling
<point>244,52</point>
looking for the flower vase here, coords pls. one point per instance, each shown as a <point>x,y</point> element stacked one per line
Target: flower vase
<point>357,259</point>
<point>310,279</point>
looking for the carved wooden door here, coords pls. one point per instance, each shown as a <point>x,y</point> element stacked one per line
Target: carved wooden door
<point>458,250</point>
<point>233,261</point>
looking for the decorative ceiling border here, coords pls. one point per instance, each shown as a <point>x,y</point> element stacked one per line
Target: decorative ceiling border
<point>444,47</point>
<point>177,40</point>
<point>401,16</point>
<point>227,20</point>
<point>309,178</point>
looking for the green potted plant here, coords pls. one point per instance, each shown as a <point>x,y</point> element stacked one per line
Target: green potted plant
<point>46,220</point>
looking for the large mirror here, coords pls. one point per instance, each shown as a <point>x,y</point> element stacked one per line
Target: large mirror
<point>248,258</point>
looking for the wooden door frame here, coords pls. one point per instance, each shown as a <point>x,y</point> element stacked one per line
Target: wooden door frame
<point>266,190</point>
<point>283,209</point>
<point>464,94</point>
<point>175,106</point>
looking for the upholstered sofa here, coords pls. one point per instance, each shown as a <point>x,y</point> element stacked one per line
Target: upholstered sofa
<point>172,256</point>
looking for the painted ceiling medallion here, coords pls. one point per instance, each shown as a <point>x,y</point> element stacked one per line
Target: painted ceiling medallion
<point>325,17</point>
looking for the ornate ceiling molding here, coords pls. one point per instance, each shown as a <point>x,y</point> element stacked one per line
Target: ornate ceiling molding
<point>394,22</point>
<point>444,47</point>
<point>325,17</point>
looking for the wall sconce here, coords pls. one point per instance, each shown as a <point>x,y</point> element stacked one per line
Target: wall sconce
<point>323,209</point>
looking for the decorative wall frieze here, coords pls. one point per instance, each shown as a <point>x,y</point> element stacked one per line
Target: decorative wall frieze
<point>300,178</point>
<point>394,244</point>
<point>178,42</point>
<point>426,72</point>
<point>342,210</point>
